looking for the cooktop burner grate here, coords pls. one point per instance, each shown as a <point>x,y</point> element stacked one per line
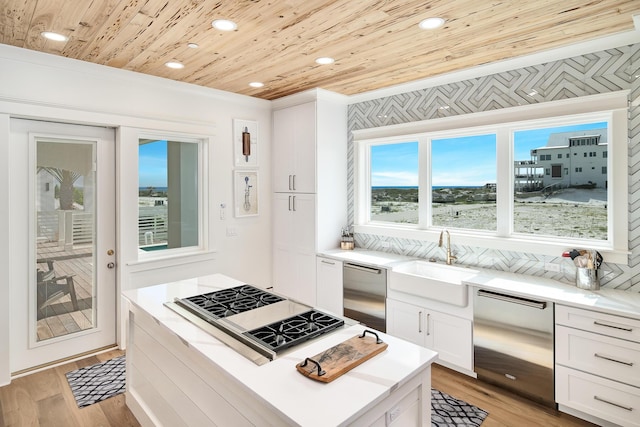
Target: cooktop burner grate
<point>294,330</point>
<point>228,302</point>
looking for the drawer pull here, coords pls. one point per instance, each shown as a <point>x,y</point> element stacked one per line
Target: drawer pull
<point>612,360</point>
<point>595,322</point>
<point>626,408</point>
<point>328,262</point>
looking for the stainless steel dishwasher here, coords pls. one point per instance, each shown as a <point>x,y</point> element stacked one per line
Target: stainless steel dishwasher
<point>513,344</point>
<point>365,293</point>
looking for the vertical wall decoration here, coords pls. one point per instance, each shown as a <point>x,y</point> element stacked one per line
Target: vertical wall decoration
<point>245,143</point>
<point>245,192</point>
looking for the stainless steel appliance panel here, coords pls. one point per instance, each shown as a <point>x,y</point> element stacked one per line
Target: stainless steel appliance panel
<point>365,293</point>
<point>513,344</point>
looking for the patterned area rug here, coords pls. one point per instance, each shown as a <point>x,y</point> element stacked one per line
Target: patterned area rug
<point>98,382</point>
<point>447,411</point>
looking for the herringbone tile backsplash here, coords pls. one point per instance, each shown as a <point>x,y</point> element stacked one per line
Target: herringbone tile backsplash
<point>595,73</point>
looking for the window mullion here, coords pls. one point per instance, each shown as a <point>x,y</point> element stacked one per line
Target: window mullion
<point>504,181</point>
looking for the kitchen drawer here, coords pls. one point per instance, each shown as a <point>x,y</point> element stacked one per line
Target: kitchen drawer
<point>602,398</point>
<point>600,355</point>
<point>600,323</point>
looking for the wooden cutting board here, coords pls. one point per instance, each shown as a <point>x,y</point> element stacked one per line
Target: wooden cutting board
<point>341,358</point>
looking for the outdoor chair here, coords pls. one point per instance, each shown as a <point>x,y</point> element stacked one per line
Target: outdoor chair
<point>52,287</point>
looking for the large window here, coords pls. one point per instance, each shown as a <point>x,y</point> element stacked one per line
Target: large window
<point>544,185</point>
<point>168,194</point>
<point>463,182</point>
<point>569,205</point>
<point>394,182</point>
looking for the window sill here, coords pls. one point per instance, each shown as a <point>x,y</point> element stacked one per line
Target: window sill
<point>148,262</point>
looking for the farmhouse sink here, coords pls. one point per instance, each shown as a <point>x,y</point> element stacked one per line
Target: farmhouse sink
<point>433,281</point>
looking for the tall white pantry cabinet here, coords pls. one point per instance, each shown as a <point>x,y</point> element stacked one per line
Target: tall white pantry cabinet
<point>310,187</point>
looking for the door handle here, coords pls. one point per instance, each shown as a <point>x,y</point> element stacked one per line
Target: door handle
<point>294,203</point>
<point>428,323</point>
<point>290,183</point>
<point>294,182</point>
<point>420,322</point>
<point>111,265</point>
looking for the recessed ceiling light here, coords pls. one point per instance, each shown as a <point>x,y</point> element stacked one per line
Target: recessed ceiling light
<point>192,45</point>
<point>175,65</point>
<point>54,36</point>
<point>431,23</point>
<point>224,25</point>
<point>325,60</point>
<point>256,84</point>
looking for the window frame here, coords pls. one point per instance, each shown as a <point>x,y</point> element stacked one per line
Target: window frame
<point>613,107</point>
<point>203,243</point>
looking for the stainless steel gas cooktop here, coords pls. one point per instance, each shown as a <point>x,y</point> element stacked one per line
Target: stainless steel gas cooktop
<point>258,324</point>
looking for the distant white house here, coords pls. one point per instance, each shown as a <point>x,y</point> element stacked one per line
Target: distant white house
<point>570,159</point>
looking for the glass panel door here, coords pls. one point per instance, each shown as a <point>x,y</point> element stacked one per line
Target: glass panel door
<point>65,237</point>
<point>62,283</point>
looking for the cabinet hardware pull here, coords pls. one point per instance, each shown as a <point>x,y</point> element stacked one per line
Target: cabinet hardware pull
<point>420,321</point>
<point>328,262</point>
<point>289,202</point>
<point>541,305</point>
<point>627,408</point>
<point>294,203</point>
<point>612,360</point>
<point>595,322</point>
<point>290,182</point>
<point>428,324</point>
<point>371,270</point>
<point>294,182</point>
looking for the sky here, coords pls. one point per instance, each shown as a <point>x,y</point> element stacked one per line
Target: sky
<point>152,164</point>
<point>396,165</point>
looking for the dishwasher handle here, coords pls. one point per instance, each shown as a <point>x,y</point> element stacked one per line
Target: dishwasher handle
<point>541,305</point>
<point>364,268</point>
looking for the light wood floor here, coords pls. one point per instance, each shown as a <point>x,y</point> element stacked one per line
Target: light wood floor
<point>45,399</point>
<point>504,408</point>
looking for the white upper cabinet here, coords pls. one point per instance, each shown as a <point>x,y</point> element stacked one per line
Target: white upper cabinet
<point>294,149</point>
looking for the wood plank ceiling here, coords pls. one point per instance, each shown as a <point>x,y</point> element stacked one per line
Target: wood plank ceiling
<point>376,43</point>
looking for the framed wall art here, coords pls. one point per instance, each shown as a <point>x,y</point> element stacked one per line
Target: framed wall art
<point>245,192</point>
<point>245,143</point>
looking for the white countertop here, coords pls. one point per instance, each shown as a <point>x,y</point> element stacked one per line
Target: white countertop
<point>278,382</point>
<point>611,301</point>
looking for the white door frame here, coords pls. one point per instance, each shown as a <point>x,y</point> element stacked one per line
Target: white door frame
<point>25,352</point>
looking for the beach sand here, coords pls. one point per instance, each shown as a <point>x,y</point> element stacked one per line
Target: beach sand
<point>571,213</point>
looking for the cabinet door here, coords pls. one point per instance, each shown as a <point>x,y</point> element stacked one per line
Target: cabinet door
<point>405,321</point>
<point>283,149</point>
<point>451,337</point>
<point>283,252</point>
<point>304,161</point>
<point>294,250</point>
<point>294,148</point>
<point>329,285</point>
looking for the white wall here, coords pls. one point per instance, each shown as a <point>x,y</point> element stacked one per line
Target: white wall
<point>42,86</point>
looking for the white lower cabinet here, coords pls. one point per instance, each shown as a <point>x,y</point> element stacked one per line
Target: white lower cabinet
<point>294,247</point>
<point>598,366</point>
<point>329,285</point>
<point>450,336</point>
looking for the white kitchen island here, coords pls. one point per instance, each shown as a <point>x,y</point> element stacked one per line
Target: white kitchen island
<point>177,374</point>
